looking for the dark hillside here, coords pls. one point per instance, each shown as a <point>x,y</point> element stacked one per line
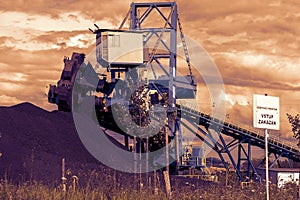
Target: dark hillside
<point>33,142</point>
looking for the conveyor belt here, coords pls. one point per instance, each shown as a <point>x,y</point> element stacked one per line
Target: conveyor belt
<point>277,145</point>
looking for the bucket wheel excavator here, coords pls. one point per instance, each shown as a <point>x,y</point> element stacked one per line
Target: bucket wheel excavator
<point>119,82</point>
<point>125,55</point>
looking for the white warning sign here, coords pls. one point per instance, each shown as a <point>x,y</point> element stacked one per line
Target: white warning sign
<point>266,112</point>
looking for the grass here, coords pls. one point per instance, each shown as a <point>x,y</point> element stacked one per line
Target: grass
<point>99,187</point>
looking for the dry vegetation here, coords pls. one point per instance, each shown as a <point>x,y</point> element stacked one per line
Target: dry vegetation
<point>33,142</point>
<point>116,186</point>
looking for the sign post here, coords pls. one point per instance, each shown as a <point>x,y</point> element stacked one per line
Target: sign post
<point>267,163</point>
<point>266,115</point>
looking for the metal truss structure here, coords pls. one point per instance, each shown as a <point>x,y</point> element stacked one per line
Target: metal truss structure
<point>164,35</point>
<point>242,139</point>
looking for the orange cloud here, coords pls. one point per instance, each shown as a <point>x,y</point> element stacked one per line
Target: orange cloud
<point>254,44</point>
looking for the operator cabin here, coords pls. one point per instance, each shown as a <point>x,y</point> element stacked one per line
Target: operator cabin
<point>120,48</point>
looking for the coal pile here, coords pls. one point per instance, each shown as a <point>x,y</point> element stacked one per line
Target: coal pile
<point>34,141</point>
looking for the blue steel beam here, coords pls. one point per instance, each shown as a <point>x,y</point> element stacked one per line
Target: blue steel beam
<point>233,146</point>
<point>249,161</point>
<point>223,146</point>
<point>237,133</point>
<point>145,14</point>
<point>232,143</point>
<point>164,17</point>
<point>257,139</point>
<point>170,29</point>
<point>164,44</point>
<point>277,147</point>
<point>274,161</point>
<point>161,66</point>
<point>263,160</point>
<point>195,133</point>
<point>158,4</point>
<point>231,158</point>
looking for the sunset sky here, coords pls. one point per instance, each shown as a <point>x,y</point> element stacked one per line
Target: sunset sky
<point>255,44</point>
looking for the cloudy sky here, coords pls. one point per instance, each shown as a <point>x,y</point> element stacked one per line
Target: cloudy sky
<point>255,44</point>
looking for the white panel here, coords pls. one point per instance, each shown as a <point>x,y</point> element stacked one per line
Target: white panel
<point>125,47</point>
<point>266,112</point>
<point>286,177</point>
